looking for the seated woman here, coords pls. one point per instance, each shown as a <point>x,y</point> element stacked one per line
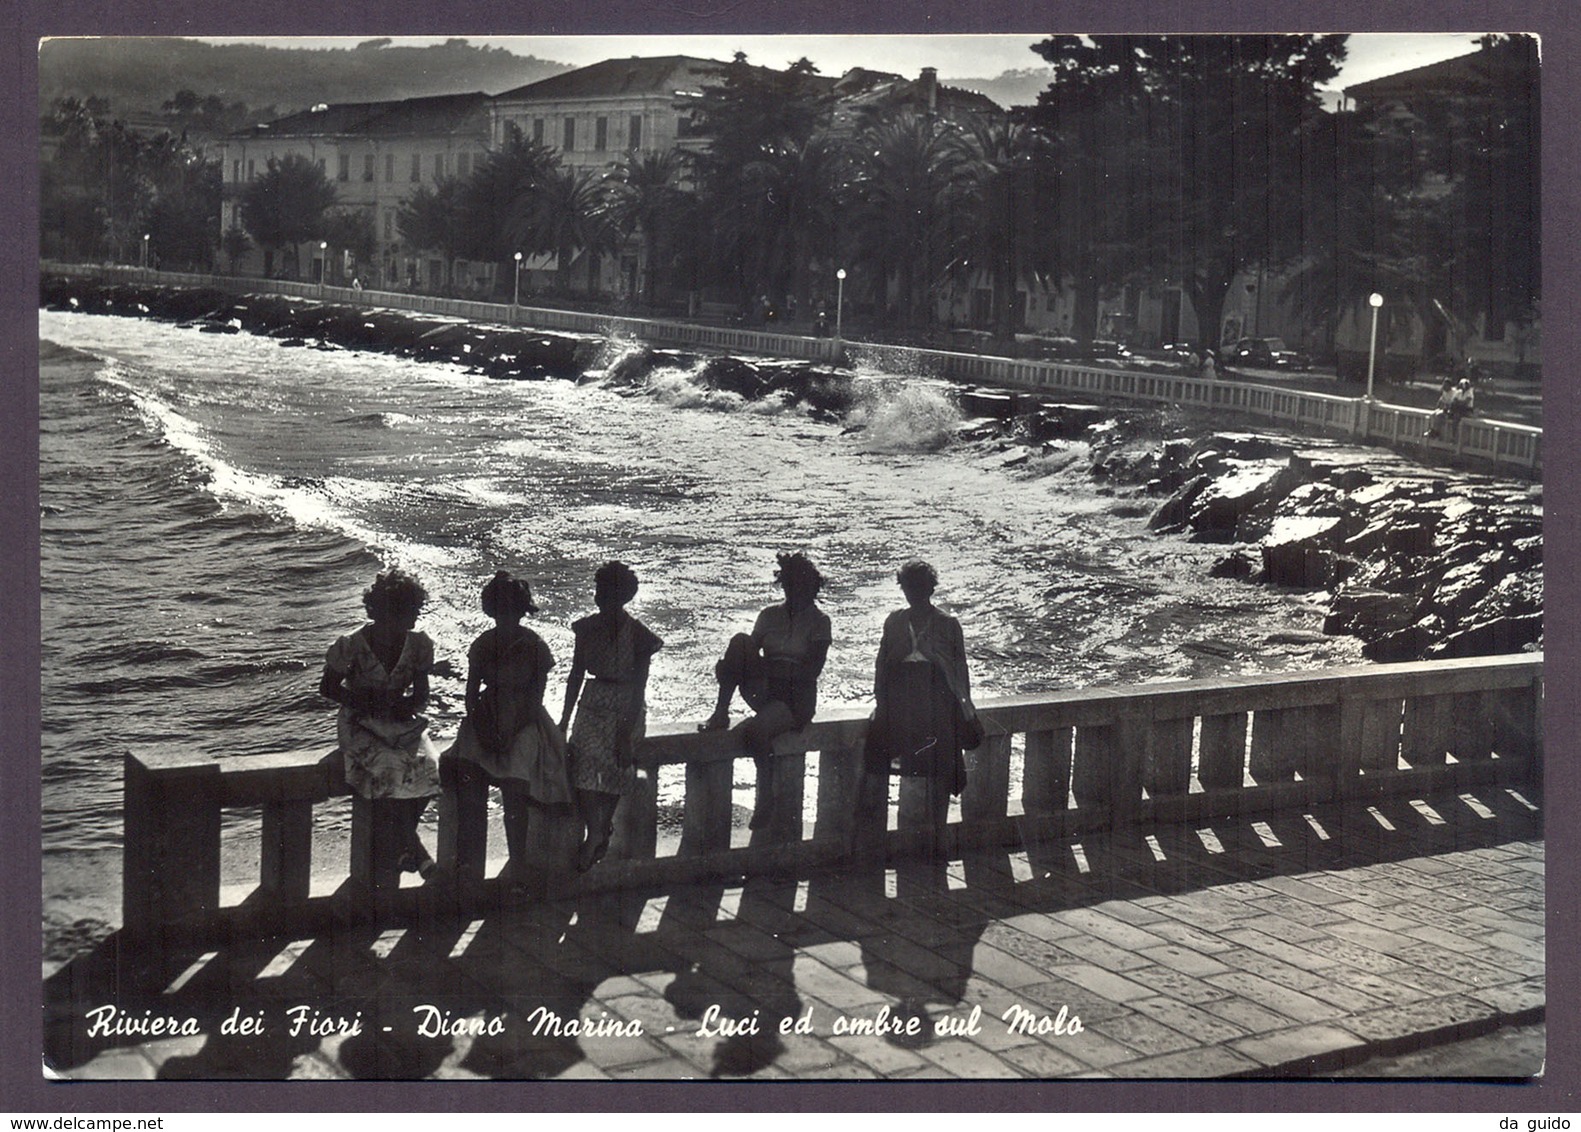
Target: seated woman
<point>379,677</point>
<point>507,738</point>
<point>925,716</point>
<point>615,649</point>
<point>776,668</point>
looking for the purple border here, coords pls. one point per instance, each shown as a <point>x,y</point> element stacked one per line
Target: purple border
<point>22,1089</point>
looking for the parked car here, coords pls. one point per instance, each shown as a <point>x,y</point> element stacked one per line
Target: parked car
<point>1267,353</point>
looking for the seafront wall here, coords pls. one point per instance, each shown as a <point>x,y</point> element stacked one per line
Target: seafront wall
<point>1498,445</point>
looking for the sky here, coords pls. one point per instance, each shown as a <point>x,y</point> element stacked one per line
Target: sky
<point>1370,56</point>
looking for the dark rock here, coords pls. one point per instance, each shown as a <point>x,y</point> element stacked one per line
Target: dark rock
<point>1371,614</point>
<point>1236,564</point>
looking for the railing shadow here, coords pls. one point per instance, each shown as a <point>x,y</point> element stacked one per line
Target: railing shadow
<point>715,976</point>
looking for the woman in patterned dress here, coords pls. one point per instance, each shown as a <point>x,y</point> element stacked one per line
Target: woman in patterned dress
<point>507,738</point>
<point>615,650</point>
<point>379,677</point>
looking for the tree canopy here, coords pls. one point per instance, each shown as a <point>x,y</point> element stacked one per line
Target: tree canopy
<point>1183,156</point>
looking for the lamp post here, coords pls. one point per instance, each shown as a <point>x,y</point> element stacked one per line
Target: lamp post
<point>1375,301</point>
<point>516,295</point>
<point>839,304</point>
<point>145,251</point>
<point>323,265</point>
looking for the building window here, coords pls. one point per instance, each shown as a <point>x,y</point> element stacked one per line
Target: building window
<point>439,167</point>
<point>389,225</point>
<point>635,139</point>
<point>417,167</point>
<point>252,169</point>
<point>570,135</point>
<point>236,170</point>
<point>389,166</point>
<point>601,134</point>
<point>537,130</point>
<point>463,165</point>
<point>367,167</point>
<point>343,168</point>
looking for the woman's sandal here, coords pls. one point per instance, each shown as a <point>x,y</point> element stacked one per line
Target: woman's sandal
<point>591,854</point>
<point>424,865</point>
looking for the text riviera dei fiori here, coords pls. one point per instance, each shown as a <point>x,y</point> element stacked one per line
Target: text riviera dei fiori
<point>433,1022</point>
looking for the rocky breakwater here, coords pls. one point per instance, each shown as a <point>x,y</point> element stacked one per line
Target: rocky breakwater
<point>504,352</point>
<point>1419,563</point>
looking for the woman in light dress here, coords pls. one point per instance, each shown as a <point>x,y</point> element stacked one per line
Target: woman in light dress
<point>379,677</point>
<point>607,692</point>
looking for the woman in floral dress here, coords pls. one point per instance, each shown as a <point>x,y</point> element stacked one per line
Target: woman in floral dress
<point>379,677</point>
<point>615,650</point>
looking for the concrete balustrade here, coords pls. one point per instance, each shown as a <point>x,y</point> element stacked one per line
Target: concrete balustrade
<point>1054,766</point>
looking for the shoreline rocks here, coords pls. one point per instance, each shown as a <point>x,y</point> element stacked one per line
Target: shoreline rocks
<point>1418,562</point>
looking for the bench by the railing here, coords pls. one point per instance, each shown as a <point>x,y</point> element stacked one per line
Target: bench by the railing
<point>1084,759</point>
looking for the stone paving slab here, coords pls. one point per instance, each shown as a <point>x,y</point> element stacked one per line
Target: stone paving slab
<point>1267,967</point>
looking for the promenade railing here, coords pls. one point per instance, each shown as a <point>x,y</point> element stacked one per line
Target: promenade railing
<point>1505,445</point>
<point>1053,766</point>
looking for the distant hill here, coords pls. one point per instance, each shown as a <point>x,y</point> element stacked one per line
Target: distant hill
<point>139,75</point>
<point>1010,88</point>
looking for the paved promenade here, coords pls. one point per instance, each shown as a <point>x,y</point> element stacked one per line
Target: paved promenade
<point>1294,946</point>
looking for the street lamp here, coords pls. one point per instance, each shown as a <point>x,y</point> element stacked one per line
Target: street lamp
<point>1375,301</point>
<point>145,251</point>
<point>516,295</point>
<point>839,302</point>
<point>323,265</point>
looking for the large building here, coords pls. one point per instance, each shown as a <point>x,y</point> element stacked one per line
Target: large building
<point>597,115</point>
<point>376,155</point>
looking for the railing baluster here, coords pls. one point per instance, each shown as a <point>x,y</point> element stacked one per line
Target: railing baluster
<point>1429,722</point>
<point>1045,773</point>
<point>705,826</point>
<point>286,867</point>
<point>1168,757</point>
<point>1222,751</point>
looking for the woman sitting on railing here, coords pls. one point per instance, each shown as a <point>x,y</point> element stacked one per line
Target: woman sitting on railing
<point>925,716</point>
<point>379,677</point>
<point>615,649</point>
<point>507,737</point>
<point>776,667</point>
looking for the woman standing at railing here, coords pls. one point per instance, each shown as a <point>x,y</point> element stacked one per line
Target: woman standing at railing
<point>615,649</point>
<point>507,738</point>
<point>925,717</point>
<point>776,667</point>
<point>379,677</point>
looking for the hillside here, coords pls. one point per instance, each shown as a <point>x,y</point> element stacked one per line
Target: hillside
<point>138,75</point>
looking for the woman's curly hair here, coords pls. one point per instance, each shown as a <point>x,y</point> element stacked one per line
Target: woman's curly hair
<point>798,566</point>
<point>508,597</point>
<point>917,572</point>
<point>393,593</point>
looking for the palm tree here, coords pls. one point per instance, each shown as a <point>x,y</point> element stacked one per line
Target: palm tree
<point>568,210</point>
<point>497,192</point>
<point>1012,224</point>
<point>910,198</point>
<point>795,188</point>
<point>646,200</point>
